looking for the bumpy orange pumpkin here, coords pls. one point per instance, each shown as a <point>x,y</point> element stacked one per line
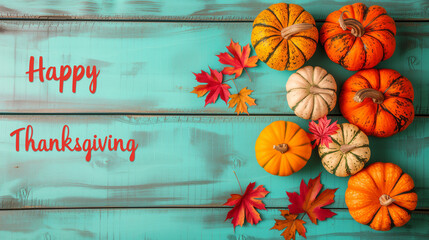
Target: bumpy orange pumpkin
<point>379,102</point>
<point>284,36</point>
<point>358,37</point>
<point>282,148</point>
<point>381,196</point>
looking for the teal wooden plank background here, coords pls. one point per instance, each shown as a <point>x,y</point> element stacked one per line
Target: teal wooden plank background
<point>183,172</point>
<point>183,161</point>
<point>237,10</point>
<point>177,223</point>
<point>148,71</point>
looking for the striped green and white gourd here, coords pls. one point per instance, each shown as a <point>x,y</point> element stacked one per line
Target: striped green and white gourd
<point>311,92</point>
<point>347,153</point>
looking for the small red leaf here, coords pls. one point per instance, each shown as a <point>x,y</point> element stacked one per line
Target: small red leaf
<point>239,59</point>
<point>244,205</point>
<point>309,200</point>
<point>215,86</point>
<point>322,131</point>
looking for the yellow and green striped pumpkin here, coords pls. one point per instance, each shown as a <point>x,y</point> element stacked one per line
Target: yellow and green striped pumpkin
<point>284,36</point>
<point>347,153</point>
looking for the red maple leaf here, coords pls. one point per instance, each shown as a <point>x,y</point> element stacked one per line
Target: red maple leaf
<point>309,200</point>
<point>244,205</point>
<point>322,131</point>
<point>215,86</point>
<point>239,59</point>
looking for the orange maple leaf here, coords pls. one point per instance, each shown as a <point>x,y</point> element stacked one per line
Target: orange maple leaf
<point>240,100</point>
<point>244,205</point>
<point>291,224</point>
<point>239,59</point>
<point>309,200</point>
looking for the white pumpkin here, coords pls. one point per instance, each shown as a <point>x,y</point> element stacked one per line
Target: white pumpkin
<point>347,153</point>
<point>311,92</point>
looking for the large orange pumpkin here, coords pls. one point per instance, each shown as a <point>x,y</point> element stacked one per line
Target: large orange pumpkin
<point>358,37</point>
<point>284,36</point>
<point>381,196</point>
<point>379,102</point>
<point>283,148</point>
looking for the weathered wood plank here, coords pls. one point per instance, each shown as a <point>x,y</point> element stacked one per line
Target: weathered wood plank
<point>148,67</point>
<point>194,223</point>
<point>180,161</point>
<point>240,10</point>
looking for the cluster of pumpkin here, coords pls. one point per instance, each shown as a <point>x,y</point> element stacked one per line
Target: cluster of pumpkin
<point>375,102</point>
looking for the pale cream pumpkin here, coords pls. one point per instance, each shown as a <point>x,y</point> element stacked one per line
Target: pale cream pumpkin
<point>311,92</point>
<point>347,153</point>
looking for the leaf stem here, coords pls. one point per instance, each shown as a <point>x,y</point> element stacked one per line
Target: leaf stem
<point>241,190</point>
<point>235,84</point>
<point>303,215</point>
<point>247,74</point>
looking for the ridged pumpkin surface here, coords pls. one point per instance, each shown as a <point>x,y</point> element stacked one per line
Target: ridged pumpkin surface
<point>276,51</point>
<point>311,92</point>
<point>283,148</point>
<point>364,48</point>
<point>347,153</point>
<point>381,196</point>
<point>388,107</point>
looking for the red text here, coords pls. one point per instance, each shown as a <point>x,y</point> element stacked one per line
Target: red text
<point>67,144</point>
<point>77,73</point>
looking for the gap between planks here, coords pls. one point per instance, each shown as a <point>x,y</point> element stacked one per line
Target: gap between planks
<point>155,114</point>
<point>418,210</point>
<point>149,19</point>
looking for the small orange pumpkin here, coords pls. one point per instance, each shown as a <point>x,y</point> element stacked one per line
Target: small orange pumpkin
<point>358,37</point>
<point>381,196</point>
<point>284,36</point>
<point>283,148</point>
<point>379,102</point>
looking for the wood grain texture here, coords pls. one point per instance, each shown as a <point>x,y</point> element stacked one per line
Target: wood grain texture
<point>147,67</point>
<point>220,10</point>
<point>183,224</point>
<point>181,161</point>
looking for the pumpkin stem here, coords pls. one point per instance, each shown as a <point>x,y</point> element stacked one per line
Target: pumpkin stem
<point>377,96</point>
<point>386,200</point>
<point>281,147</point>
<point>347,148</point>
<point>291,30</point>
<point>357,28</point>
<point>317,90</point>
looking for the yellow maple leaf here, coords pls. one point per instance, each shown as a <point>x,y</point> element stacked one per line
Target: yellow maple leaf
<point>291,224</point>
<point>240,100</point>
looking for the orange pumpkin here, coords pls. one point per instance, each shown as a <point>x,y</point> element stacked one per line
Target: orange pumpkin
<point>284,36</point>
<point>381,196</point>
<point>283,148</point>
<point>358,37</point>
<point>379,102</point>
